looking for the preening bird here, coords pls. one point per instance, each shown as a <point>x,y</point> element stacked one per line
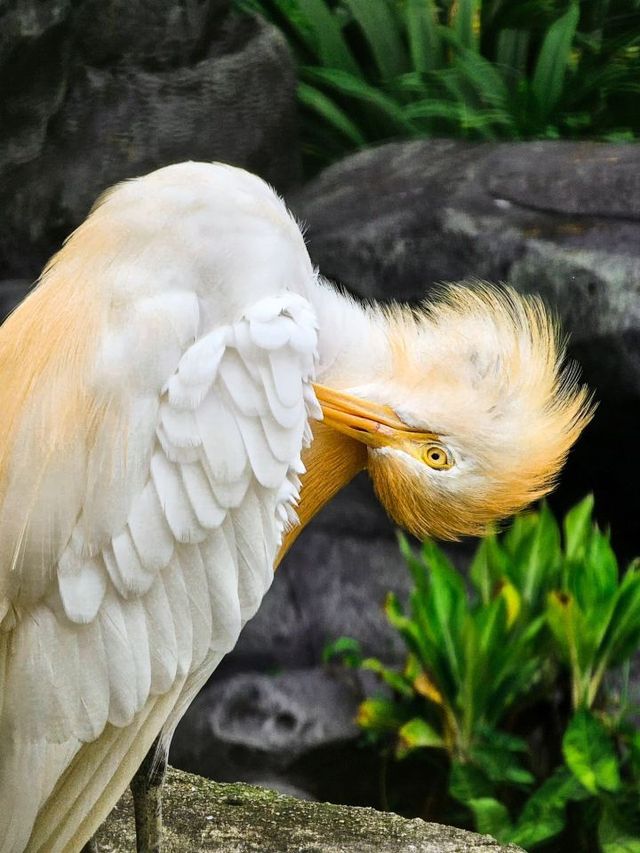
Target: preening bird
<point>178,396</point>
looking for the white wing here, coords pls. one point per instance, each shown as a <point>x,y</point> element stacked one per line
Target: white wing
<point>124,592</point>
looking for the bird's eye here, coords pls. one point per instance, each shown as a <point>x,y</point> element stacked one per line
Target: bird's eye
<point>438,457</point>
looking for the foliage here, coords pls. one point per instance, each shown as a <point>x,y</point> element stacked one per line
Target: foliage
<point>372,70</point>
<point>505,680</point>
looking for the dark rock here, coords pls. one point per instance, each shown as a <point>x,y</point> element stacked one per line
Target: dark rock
<point>203,815</point>
<point>12,292</point>
<point>286,730</point>
<point>92,96</point>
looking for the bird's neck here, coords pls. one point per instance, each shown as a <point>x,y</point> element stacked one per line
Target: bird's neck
<point>331,461</point>
<point>353,350</point>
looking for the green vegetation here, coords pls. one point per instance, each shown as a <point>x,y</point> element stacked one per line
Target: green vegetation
<point>515,692</point>
<point>373,70</point>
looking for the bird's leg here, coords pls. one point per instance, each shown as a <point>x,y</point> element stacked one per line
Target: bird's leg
<point>146,787</point>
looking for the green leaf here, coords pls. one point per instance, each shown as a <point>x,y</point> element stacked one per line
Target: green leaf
<point>489,565</point>
<point>447,603</point>
<point>543,815</point>
<point>359,89</point>
<point>345,648</point>
<point>467,782</point>
<point>577,529</point>
<point>511,50</point>
<point>553,60</point>
<point>380,715</point>
<point>594,579</point>
<point>422,29</point>
<point>417,568</point>
<point>590,754</point>
<point>394,679</point>
<point>383,37</point>
<point>492,818</point>
<point>317,101</point>
<point>539,566</point>
<point>417,734</point>
<point>332,48</point>
<point>466,23</point>
<point>619,827</point>
<point>622,637</point>
<point>501,765</point>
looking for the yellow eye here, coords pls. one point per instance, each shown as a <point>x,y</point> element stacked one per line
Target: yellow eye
<point>438,457</point>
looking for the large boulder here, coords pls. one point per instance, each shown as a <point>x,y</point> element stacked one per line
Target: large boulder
<point>202,815</point>
<point>96,92</point>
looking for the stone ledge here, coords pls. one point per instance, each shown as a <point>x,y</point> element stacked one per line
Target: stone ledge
<point>205,815</point>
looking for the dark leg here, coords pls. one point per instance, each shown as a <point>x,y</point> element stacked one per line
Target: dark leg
<point>146,787</point>
<point>90,847</point>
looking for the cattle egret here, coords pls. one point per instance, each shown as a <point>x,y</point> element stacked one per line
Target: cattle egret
<point>160,397</point>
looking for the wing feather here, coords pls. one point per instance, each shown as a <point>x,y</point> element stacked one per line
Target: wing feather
<point>155,591</point>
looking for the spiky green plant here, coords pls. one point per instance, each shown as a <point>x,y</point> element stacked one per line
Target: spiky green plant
<point>374,70</point>
<point>516,659</point>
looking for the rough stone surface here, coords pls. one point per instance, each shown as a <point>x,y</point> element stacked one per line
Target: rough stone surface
<point>96,92</point>
<point>557,218</point>
<point>203,815</point>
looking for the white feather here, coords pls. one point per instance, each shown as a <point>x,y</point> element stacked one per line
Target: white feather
<point>159,525</point>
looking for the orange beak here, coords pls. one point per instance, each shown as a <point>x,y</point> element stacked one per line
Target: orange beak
<point>371,423</point>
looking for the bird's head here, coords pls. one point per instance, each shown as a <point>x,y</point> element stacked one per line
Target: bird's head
<point>474,416</point>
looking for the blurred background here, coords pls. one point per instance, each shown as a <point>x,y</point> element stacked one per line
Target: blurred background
<point>419,141</point>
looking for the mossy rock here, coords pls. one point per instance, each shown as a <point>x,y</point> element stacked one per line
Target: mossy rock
<point>205,815</point>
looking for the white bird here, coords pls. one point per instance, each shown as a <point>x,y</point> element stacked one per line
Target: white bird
<point>156,393</point>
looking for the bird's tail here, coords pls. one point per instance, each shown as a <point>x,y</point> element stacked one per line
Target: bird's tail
<point>96,778</point>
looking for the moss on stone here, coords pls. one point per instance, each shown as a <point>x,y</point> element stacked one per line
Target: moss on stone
<point>205,815</point>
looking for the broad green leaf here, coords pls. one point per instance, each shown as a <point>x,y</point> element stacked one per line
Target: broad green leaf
<point>415,565</point>
<point>380,715</point>
<point>394,679</point>
<point>511,51</point>
<point>492,817</point>
<point>346,649</point>
<point>359,89</point>
<point>542,558</point>
<point>501,765</point>
<point>482,572</point>
<point>383,37</point>
<point>543,815</point>
<point>467,782</point>
<point>577,529</point>
<point>619,827</point>
<point>417,734</point>
<point>447,603</point>
<point>512,600</point>
<point>466,22</point>
<point>332,48</point>
<point>317,101</point>
<point>484,77</point>
<point>422,29</point>
<point>518,535</point>
<point>590,754</point>
<point>503,740</point>
<point>594,579</point>
<point>623,633</point>
<point>553,60</point>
